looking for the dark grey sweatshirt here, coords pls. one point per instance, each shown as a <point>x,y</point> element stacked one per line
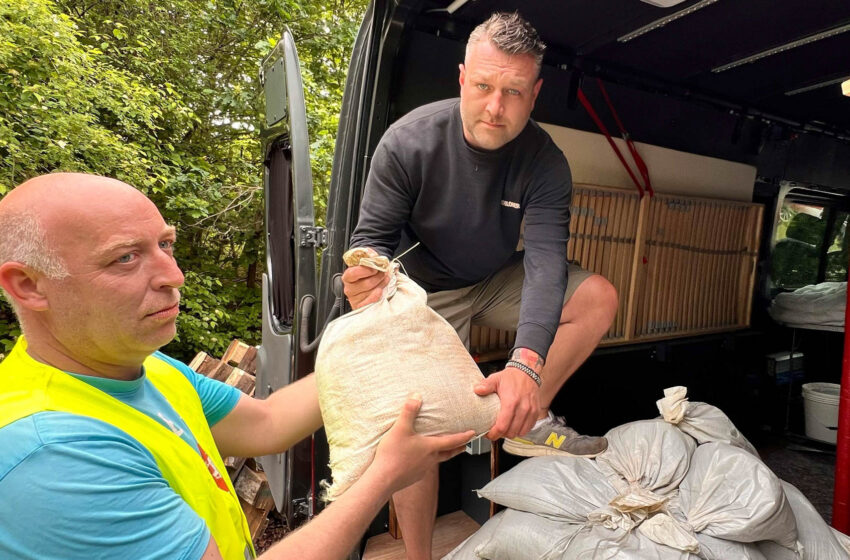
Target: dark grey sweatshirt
<point>465,207</point>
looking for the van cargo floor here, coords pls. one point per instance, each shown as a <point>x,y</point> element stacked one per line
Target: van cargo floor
<point>449,531</point>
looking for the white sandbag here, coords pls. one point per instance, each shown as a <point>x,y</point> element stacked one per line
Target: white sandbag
<point>730,494</point>
<point>558,487</point>
<point>712,548</point>
<point>663,529</point>
<point>373,358</point>
<point>650,454</point>
<point>814,306</point>
<point>701,421</point>
<point>645,461</point>
<point>612,518</point>
<point>598,543</point>
<point>526,535</point>
<point>773,551</point>
<point>466,549</point>
<point>629,510</point>
<point>843,540</point>
<point>818,539</point>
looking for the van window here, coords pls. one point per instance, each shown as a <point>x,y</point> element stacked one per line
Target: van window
<point>798,257</point>
<point>836,255</point>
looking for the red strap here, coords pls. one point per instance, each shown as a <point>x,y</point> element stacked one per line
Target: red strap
<point>639,163</point>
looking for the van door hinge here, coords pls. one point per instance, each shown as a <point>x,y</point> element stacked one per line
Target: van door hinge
<point>313,236</point>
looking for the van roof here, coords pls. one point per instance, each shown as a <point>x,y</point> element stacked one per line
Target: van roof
<point>784,60</point>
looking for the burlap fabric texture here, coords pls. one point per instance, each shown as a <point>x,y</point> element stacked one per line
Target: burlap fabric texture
<point>373,358</point>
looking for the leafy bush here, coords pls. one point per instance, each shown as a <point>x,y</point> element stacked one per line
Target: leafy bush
<point>165,97</point>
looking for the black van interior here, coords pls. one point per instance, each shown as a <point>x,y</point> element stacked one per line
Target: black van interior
<point>754,85</point>
<point>756,82</point>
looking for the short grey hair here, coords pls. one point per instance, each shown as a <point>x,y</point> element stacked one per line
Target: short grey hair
<point>22,240</point>
<point>511,34</point>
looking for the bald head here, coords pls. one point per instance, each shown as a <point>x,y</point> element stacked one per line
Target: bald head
<point>50,191</point>
<point>40,213</point>
<point>89,264</point>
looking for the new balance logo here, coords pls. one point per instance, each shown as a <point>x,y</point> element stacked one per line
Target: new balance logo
<point>509,204</point>
<point>555,440</point>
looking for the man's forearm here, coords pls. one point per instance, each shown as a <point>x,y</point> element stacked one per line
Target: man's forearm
<point>335,532</point>
<point>265,427</point>
<point>295,413</point>
<point>402,458</point>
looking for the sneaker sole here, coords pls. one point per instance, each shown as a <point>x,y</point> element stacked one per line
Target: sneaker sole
<point>526,450</point>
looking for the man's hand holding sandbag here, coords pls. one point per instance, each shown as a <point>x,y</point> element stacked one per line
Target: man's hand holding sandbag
<point>403,456</point>
<point>519,392</point>
<point>363,284</point>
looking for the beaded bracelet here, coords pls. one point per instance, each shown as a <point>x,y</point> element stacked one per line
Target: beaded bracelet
<point>527,370</point>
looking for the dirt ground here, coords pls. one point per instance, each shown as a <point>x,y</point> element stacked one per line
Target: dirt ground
<point>275,531</point>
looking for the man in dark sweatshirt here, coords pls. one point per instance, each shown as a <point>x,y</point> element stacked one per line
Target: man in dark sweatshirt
<point>459,177</point>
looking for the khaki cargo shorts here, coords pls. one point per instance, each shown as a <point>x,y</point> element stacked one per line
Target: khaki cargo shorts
<point>494,302</point>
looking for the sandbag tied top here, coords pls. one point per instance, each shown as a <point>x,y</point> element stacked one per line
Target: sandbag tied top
<point>574,490</point>
<point>645,461</point>
<point>730,494</point>
<point>360,256</point>
<point>373,358</point>
<point>649,454</point>
<point>703,422</point>
<point>674,404</point>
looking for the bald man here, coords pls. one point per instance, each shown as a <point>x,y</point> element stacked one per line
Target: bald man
<point>113,449</point>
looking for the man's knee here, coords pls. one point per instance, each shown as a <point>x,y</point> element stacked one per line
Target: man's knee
<point>596,299</point>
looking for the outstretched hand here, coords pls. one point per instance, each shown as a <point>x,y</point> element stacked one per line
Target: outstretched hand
<point>520,402</point>
<point>403,456</point>
<point>364,285</point>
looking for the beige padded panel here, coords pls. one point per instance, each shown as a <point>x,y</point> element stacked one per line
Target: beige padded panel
<point>593,161</point>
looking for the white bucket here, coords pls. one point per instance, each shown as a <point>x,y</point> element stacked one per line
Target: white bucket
<point>820,402</point>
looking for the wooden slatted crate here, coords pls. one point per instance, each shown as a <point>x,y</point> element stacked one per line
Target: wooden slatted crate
<point>487,344</point>
<point>697,267</point>
<point>603,230</point>
<point>681,265</point>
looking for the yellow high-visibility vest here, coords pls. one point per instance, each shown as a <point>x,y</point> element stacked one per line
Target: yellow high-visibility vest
<point>28,386</point>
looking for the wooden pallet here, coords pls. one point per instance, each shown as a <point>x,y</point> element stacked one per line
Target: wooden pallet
<point>237,367</point>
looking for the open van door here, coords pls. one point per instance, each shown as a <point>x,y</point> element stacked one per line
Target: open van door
<point>289,281</point>
<point>291,303</point>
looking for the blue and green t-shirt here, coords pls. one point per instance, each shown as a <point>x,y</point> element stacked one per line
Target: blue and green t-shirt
<point>103,489</point>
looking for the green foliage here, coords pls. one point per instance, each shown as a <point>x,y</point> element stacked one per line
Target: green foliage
<point>9,330</point>
<point>164,96</point>
<point>796,256</point>
<point>62,106</point>
<point>837,255</point>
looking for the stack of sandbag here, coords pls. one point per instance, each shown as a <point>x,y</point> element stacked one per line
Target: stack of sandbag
<point>375,357</point>
<point>688,485</point>
<point>816,306</point>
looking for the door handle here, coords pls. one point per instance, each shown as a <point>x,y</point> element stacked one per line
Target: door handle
<point>307,302</point>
